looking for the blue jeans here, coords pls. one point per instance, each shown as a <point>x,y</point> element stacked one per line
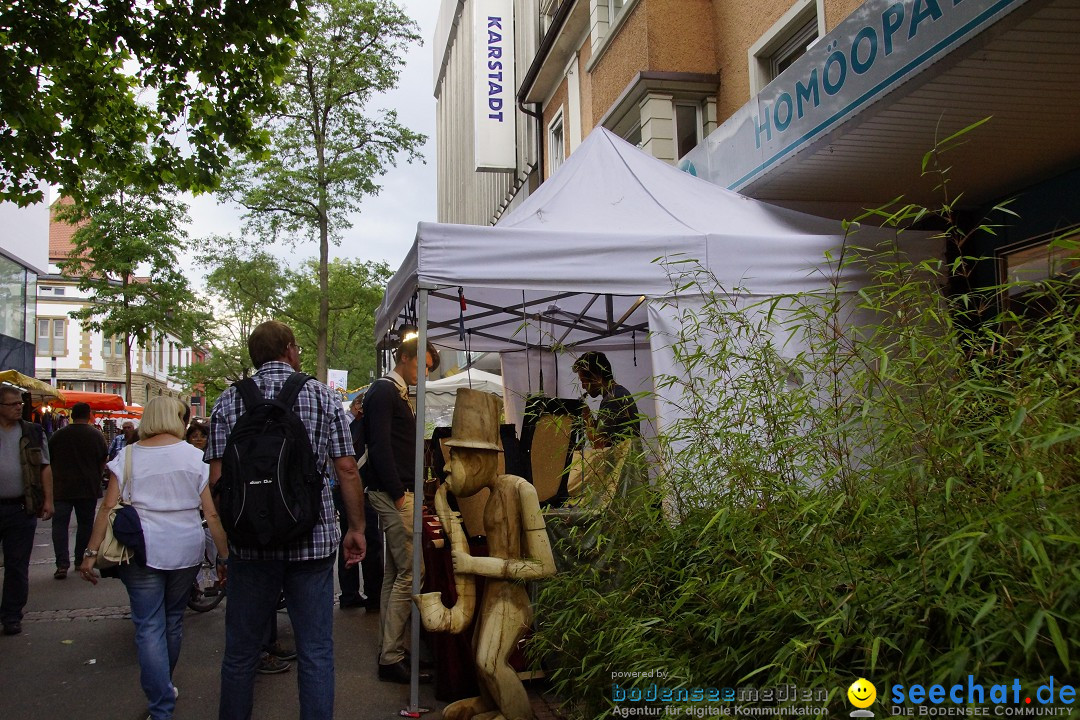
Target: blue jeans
<point>158,599</point>
<point>84,523</point>
<point>17,537</point>
<point>254,588</point>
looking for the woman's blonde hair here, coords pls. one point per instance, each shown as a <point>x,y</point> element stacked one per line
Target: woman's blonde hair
<point>162,415</point>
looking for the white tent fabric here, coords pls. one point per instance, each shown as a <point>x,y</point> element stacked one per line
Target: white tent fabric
<point>573,267</point>
<point>443,392</point>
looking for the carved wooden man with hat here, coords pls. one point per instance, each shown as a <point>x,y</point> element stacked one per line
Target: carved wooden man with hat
<point>518,548</point>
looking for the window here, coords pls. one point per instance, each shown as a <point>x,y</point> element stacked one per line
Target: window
<point>112,347</point>
<point>171,354</point>
<point>1034,263</point>
<point>687,128</point>
<point>161,353</point>
<point>614,8</point>
<point>556,143</point>
<point>51,336</point>
<point>784,43</point>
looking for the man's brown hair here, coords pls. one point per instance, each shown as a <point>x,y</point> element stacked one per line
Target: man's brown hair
<point>269,341</point>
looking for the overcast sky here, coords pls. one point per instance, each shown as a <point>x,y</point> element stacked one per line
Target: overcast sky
<point>385,228</point>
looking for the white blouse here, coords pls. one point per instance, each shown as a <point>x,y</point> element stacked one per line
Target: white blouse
<point>165,486</point>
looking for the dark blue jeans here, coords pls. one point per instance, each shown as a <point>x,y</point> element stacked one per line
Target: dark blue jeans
<point>84,523</point>
<point>17,535</point>
<point>254,588</point>
<point>158,600</point>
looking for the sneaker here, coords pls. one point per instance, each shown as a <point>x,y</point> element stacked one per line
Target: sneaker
<point>270,665</point>
<point>175,692</point>
<point>281,653</point>
<point>60,574</point>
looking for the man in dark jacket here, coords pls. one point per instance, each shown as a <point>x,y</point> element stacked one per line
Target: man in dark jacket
<point>78,454</point>
<point>388,474</point>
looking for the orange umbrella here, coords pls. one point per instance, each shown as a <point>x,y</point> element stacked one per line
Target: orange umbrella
<point>96,400</point>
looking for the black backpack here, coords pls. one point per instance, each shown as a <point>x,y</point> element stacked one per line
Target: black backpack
<point>270,491</point>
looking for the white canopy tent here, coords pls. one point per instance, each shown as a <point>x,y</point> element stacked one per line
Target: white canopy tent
<point>580,266</point>
<point>583,264</point>
<point>441,394</point>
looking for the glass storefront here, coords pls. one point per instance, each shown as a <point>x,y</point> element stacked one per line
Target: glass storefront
<point>18,302</point>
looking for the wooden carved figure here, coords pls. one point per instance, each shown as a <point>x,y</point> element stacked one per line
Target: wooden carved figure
<point>518,549</point>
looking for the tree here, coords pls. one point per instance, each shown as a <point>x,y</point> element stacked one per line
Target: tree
<point>242,286</point>
<point>83,84</point>
<point>123,231</point>
<point>327,154</point>
<point>254,284</point>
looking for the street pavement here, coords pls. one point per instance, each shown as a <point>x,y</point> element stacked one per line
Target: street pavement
<point>76,658</point>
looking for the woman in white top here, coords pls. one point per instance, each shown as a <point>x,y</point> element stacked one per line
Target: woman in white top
<point>168,487</point>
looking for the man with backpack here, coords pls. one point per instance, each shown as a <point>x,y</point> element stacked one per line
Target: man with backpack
<point>274,441</point>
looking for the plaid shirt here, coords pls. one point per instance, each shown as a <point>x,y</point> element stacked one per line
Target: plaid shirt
<point>327,423</point>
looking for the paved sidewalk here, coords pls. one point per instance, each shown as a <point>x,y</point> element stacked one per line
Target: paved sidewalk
<point>76,658</point>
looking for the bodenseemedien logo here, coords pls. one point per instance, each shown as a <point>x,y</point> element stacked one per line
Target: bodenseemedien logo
<point>862,694</point>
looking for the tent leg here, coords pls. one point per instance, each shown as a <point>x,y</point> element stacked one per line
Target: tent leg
<point>418,496</point>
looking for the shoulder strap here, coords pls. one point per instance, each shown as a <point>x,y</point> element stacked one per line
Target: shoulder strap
<point>249,392</point>
<point>291,389</point>
<point>127,482</point>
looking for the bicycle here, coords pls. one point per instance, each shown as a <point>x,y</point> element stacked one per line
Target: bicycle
<point>208,590</point>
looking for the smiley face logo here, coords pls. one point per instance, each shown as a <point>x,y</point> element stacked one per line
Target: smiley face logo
<point>862,693</point>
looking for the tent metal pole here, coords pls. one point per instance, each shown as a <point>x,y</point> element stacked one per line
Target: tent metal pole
<point>418,497</point>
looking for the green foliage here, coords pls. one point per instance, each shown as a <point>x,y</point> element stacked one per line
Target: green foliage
<point>878,483</point>
<point>125,255</point>
<point>328,151</point>
<point>85,85</point>
<point>251,286</point>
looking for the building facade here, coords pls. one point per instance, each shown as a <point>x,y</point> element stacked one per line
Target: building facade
<point>23,257</point>
<point>826,106</point>
<point>78,358</point>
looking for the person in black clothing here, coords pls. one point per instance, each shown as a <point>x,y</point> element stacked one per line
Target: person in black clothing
<point>372,564</point>
<point>618,417</point>
<point>389,425</point>
<point>78,454</point>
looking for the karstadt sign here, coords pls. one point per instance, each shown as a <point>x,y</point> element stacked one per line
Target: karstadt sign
<point>881,45</point>
<point>494,111</point>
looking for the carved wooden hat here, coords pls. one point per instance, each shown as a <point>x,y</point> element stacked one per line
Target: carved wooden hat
<point>476,421</point>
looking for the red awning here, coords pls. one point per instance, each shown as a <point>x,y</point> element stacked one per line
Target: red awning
<point>96,401</point>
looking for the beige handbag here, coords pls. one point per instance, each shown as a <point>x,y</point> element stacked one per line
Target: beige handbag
<point>112,551</point>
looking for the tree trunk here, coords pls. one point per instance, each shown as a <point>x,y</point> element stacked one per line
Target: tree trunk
<point>324,296</point>
<point>127,367</point>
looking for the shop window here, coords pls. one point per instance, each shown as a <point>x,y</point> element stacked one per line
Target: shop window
<point>556,143</point>
<point>51,336</point>
<point>784,43</point>
<point>687,127</point>
<point>1022,268</point>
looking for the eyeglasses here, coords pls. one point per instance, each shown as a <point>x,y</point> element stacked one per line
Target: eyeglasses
<point>298,348</point>
<point>13,404</point>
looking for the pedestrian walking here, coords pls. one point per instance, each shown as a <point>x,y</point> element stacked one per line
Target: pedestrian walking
<point>168,484</point>
<point>262,563</point>
<point>25,496</point>
<point>78,452</point>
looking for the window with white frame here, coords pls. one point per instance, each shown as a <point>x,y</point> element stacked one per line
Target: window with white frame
<point>614,8</point>
<point>51,336</point>
<point>785,42</point>
<point>556,143</point>
<point>688,124</point>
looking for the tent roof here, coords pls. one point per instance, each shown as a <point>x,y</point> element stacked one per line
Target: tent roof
<point>41,392</point>
<point>583,248</point>
<point>475,379</point>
